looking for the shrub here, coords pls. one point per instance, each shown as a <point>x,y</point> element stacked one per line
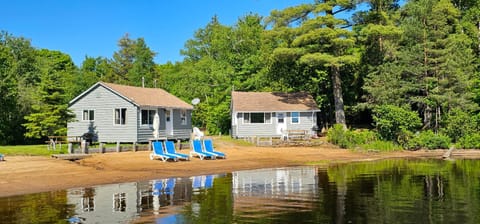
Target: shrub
<point>391,121</point>
<point>429,140</point>
<point>471,141</point>
<point>348,139</point>
<point>458,123</point>
<point>381,145</point>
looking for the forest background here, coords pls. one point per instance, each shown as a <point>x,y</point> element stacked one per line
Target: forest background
<point>410,73</point>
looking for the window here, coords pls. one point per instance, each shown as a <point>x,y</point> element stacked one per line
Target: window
<point>147,116</point>
<point>280,118</point>
<point>295,117</point>
<point>88,115</point>
<point>119,202</point>
<point>167,115</point>
<point>257,118</point>
<point>268,118</point>
<point>183,117</point>
<point>246,118</point>
<point>120,115</point>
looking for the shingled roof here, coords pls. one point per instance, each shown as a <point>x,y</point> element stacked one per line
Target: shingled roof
<point>143,96</point>
<point>271,102</point>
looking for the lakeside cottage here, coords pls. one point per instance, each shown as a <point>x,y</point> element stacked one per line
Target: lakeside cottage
<point>118,113</point>
<point>266,114</point>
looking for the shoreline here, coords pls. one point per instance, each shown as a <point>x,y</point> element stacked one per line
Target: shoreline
<point>34,174</point>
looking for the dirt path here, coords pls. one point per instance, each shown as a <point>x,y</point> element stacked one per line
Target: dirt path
<point>23,174</point>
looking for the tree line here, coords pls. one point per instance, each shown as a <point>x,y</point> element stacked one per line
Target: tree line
<point>384,59</point>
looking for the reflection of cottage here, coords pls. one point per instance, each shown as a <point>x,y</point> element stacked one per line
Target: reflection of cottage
<point>281,190</point>
<point>118,113</point>
<point>266,114</point>
<point>113,203</point>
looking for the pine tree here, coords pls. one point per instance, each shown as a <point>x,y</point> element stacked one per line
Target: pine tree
<point>320,41</point>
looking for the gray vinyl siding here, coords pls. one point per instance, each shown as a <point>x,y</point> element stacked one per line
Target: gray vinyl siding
<point>306,122</point>
<point>104,103</point>
<point>180,131</point>
<point>145,132</point>
<point>270,130</point>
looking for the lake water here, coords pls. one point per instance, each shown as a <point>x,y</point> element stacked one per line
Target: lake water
<point>389,191</point>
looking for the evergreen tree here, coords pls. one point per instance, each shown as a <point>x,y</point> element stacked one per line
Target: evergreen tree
<point>50,112</point>
<point>132,62</point>
<point>319,41</point>
<point>431,69</point>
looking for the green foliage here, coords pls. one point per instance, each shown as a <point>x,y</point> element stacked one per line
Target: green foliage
<point>358,139</point>
<point>459,123</point>
<point>422,55</point>
<point>469,141</point>
<point>429,140</point>
<point>381,145</point>
<point>50,112</point>
<point>392,121</point>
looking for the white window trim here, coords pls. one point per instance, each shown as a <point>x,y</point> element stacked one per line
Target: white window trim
<point>125,118</point>
<point>88,115</point>
<point>291,117</point>
<point>141,117</point>
<point>183,117</point>
<point>250,118</point>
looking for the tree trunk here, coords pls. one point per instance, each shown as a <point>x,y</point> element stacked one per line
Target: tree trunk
<point>337,96</point>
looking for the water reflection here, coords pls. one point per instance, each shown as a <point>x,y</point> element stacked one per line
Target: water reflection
<point>391,191</point>
<point>274,190</point>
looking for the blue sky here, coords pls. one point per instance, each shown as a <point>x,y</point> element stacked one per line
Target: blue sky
<point>88,27</point>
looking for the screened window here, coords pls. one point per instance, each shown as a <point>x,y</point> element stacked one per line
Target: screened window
<point>183,117</point>
<point>246,118</point>
<point>120,115</point>
<point>88,115</point>
<point>268,118</point>
<point>257,118</point>
<point>147,117</point>
<point>295,117</point>
<point>167,115</point>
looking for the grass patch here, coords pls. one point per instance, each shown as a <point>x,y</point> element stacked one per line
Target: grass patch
<point>30,150</point>
<point>239,142</point>
<point>384,146</point>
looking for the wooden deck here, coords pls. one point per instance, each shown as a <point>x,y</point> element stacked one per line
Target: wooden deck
<point>70,156</point>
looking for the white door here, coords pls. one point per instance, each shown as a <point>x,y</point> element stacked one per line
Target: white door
<point>169,121</point>
<point>281,125</point>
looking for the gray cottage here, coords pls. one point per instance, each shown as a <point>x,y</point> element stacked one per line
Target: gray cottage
<point>118,113</point>
<point>266,114</point>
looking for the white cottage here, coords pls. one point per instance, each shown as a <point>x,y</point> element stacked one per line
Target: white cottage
<point>266,114</point>
<point>118,113</point>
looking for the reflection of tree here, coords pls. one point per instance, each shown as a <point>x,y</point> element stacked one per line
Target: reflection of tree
<point>48,207</point>
<point>421,191</point>
<point>212,205</point>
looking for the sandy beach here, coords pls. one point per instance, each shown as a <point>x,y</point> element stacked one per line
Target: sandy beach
<point>31,174</point>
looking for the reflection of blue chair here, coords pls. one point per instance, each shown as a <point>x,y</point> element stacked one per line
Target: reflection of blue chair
<point>158,152</point>
<point>177,218</point>
<point>197,149</point>
<point>209,181</point>
<point>157,187</point>
<point>170,148</point>
<point>197,182</point>
<point>202,181</point>
<point>208,146</point>
<point>170,186</point>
